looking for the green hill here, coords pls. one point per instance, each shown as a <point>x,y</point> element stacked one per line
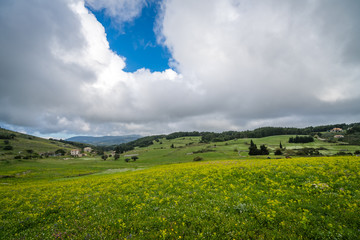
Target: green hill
<point>18,144</point>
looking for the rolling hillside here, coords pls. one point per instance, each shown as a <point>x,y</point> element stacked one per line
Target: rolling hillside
<point>13,144</point>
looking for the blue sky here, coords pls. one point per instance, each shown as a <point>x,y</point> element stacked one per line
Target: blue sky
<point>136,40</point>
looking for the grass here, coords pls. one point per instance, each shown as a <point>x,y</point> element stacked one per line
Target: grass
<point>165,195</point>
<point>303,198</point>
<point>23,142</point>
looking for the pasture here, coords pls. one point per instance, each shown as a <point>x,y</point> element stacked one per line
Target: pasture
<point>299,198</point>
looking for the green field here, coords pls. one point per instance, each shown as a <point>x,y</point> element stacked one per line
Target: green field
<point>166,195</point>
<point>303,198</point>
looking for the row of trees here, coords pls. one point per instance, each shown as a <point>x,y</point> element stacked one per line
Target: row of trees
<point>301,139</point>
<point>253,150</point>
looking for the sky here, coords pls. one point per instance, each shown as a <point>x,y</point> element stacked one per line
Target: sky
<point>118,67</point>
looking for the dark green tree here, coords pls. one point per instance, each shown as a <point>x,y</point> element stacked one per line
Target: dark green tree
<point>264,150</point>
<point>278,152</point>
<point>253,150</point>
<point>62,152</point>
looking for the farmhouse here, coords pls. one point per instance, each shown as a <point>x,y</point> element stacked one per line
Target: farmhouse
<point>336,130</point>
<point>87,149</point>
<point>75,152</point>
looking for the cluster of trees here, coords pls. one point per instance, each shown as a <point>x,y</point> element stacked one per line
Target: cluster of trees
<point>141,142</point>
<point>7,136</point>
<point>253,150</point>
<point>134,158</point>
<point>182,134</point>
<point>301,139</point>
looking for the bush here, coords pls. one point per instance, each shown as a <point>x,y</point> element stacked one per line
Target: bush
<point>357,152</point>
<point>60,151</point>
<point>278,152</point>
<point>17,157</point>
<point>196,159</point>
<point>8,147</point>
<point>127,159</point>
<point>342,153</point>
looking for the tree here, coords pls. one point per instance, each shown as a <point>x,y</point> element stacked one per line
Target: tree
<point>134,158</point>
<point>281,147</point>
<point>104,157</point>
<point>278,152</point>
<point>172,146</point>
<point>253,150</point>
<point>116,156</point>
<point>127,159</point>
<point>264,150</point>
<point>62,152</point>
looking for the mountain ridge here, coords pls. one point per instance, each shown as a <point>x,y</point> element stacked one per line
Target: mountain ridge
<point>104,140</point>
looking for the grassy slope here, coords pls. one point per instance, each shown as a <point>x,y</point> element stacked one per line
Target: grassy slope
<point>305,198</point>
<point>234,149</point>
<point>23,142</point>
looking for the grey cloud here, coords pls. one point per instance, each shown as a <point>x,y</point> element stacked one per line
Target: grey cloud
<point>241,64</point>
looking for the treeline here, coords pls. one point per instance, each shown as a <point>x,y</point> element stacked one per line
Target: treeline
<point>76,144</point>
<point>301,139</point>
<point>7,136</point>
<point>141,142</point>
<point>182,134</point>
<point>207,137</point>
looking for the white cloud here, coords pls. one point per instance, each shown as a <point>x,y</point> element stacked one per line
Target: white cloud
<point>240,64</point>
<point>265,58</point>
<point>120,10</point>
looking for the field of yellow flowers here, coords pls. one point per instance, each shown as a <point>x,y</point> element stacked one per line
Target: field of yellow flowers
<point>303,198</point>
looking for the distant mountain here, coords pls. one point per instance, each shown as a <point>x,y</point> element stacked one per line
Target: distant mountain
<point>105,140</point>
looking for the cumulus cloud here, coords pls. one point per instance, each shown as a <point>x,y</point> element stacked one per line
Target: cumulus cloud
<point>268,59</point>
<point>119,10</point>
<point>239,64</point>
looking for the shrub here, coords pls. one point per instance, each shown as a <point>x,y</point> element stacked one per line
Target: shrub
<point>197,158</point>
<point>8,147</point>
<point>60,151</point>
<point>342,153</point>
<point>278,152</point>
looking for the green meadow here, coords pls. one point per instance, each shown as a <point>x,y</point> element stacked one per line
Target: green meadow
<point>299,198</point>
<point>164,194</point>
